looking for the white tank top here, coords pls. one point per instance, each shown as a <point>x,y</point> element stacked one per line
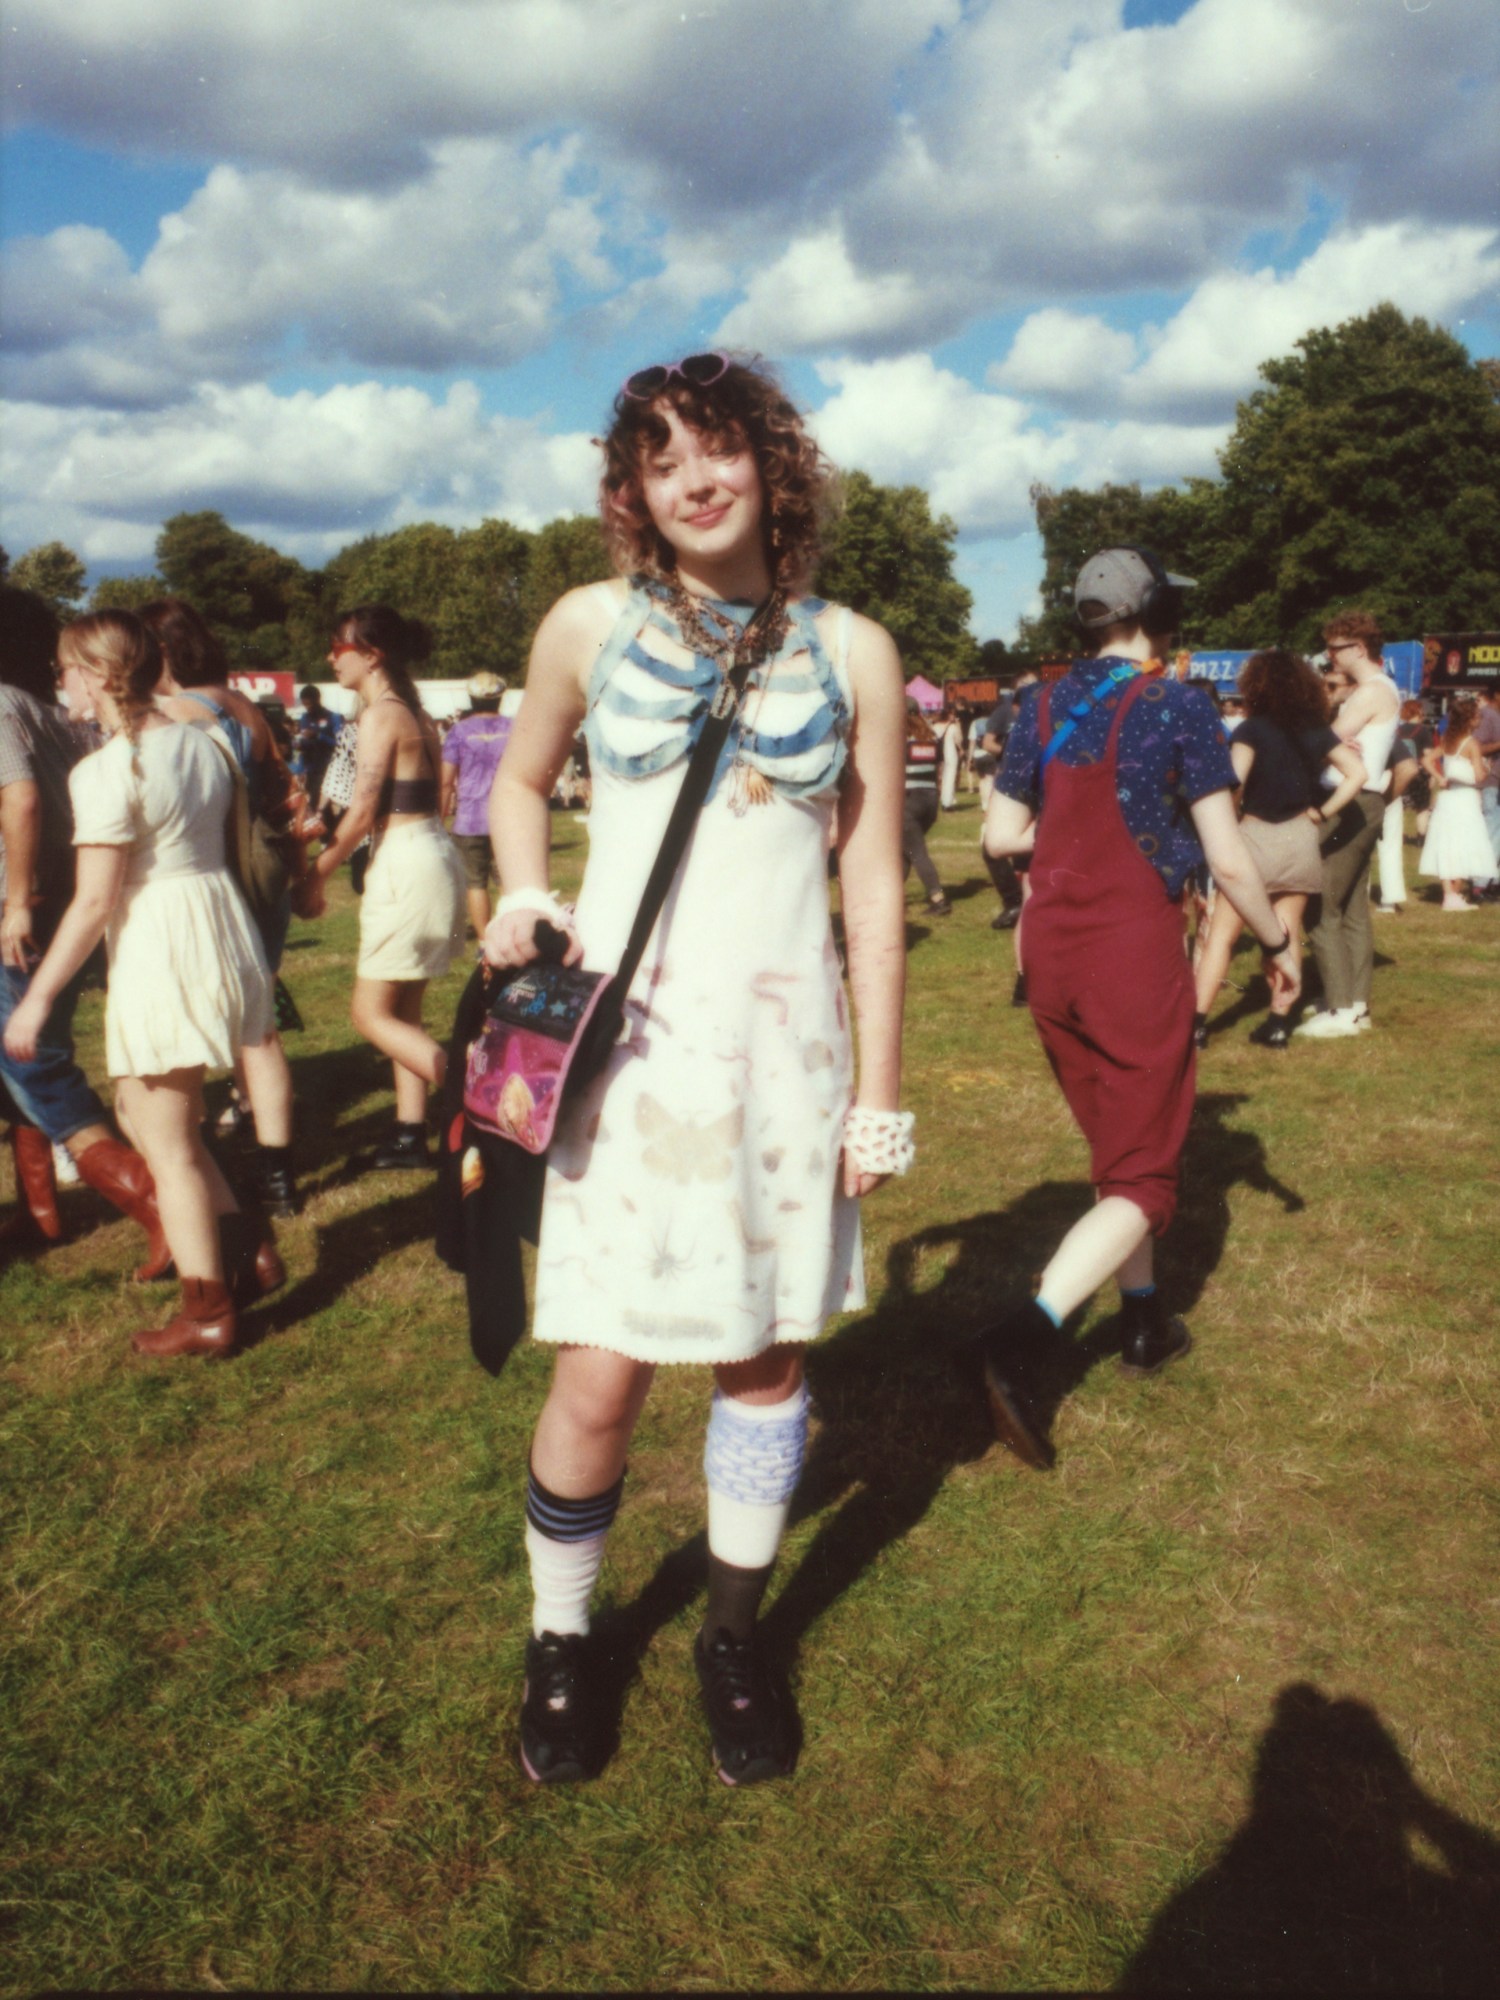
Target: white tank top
<point>1374,742</point>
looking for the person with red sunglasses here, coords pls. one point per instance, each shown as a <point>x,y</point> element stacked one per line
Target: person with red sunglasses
<point>702,1194</point>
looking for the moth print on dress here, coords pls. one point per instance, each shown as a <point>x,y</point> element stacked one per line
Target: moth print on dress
<point>683,1152</point>
<point>817,1055</point>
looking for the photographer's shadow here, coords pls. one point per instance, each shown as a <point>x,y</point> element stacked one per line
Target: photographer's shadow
<point>1346,1877</point>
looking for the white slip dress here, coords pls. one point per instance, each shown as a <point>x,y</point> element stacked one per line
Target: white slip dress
<point>694,1209</point>
<point>1458,846</point>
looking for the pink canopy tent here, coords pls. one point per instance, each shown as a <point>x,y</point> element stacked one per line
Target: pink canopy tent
<point>923,693</point>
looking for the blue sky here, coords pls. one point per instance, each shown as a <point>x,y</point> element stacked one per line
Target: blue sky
<point>336,265</point>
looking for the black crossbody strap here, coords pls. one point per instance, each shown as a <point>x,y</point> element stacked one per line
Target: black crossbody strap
<point>688,804</point>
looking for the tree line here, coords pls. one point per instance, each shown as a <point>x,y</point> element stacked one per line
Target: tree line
<point>484,590</point>
<point>1366,470</point>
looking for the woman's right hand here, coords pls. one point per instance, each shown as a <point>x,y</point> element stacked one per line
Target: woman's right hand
<point>510,940</point>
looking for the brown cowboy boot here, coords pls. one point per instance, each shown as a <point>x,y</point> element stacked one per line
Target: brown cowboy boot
<point>36,1182</point>
<point>112,1169</point>
<point>252,1264</point>
<point>204,1324</point>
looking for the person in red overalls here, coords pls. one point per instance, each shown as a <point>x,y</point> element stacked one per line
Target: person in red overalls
<point>1117,782</point>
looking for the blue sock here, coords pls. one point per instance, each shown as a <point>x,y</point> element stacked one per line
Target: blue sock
<point>1055,1317</point>
<point>1137,1291</point>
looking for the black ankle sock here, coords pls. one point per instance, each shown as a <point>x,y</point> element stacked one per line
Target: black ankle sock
<point>412,1134</point>
<point>276,1156</point>
<point>734,1598</point>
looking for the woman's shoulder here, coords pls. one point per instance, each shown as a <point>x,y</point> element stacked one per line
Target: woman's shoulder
<point>591,608</point>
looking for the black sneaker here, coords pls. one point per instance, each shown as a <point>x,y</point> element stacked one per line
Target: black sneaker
<point>1200,1031</point>
<point>1153,1336</point>
<point>746,1717</point>
<point>404,1150</point>
<point>1273,1032</point>
<point>1007,919</point>
<point>1018,991</point>
<point>558,1731</point>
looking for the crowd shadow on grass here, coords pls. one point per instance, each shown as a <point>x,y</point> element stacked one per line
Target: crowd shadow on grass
<point>348,1249</point>
<point>1217,1158</point>
<point>1345,1878</point>
<point>899,1394</point>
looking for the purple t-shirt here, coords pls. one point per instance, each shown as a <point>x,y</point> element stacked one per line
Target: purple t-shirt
<point>474,746</point>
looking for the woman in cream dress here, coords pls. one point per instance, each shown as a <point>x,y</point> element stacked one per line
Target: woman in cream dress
<point>1457,848</point>
<point>702,1194</point>
<point>189,985</point>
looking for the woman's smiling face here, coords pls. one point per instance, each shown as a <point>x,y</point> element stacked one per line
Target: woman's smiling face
<point>703,494</point>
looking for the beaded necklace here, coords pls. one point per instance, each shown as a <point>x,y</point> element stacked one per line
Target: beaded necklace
<point>725,643</point>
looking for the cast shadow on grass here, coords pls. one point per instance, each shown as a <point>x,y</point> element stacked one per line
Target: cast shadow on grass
<point>1216,1158</point>
<point>348,1249</point>
<point>899,1394</point>
<point>1345,1878</point>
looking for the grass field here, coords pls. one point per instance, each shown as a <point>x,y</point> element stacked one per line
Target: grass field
<point>1214,1705</point>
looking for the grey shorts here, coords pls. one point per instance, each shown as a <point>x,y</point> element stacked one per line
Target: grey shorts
<point>478,859</point>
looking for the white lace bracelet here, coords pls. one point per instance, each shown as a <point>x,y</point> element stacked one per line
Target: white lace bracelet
<point>540,900</point>
<point>879,1142</point>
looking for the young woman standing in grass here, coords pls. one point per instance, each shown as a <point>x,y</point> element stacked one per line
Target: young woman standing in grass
<point>411,915</point>
<point>702,1195</point>
<point>1278,752</point>
<point>188,982</point>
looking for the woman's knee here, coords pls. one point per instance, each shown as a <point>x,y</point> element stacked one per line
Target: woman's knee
<point>768,1377</point>
<point>597,1394</point>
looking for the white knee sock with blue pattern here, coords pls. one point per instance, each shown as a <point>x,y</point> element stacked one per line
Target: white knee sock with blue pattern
<point>753,1458</point>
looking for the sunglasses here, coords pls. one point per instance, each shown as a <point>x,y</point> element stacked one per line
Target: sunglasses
<point>338,646</point>
<point>697,369</point>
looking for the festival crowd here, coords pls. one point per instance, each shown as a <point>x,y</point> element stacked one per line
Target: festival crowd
<point>699,1200</point>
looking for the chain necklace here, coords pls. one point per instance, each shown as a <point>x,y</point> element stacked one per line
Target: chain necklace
<point>725,642</point>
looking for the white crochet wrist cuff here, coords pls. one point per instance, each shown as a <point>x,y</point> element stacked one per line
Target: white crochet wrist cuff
<point>540,900</point>
<point>879,1142</point>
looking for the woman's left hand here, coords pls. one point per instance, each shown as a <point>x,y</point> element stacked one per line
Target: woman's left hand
<point>24,1028</point>
<point>857,1183</point>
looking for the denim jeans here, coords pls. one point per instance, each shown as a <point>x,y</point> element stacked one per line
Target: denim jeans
<point>51,1091</point>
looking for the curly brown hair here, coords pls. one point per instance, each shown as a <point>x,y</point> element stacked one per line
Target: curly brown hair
<point>124,651</point>
<point>1282,687</point>
<point>746,405</point>
<point>1361,626</point>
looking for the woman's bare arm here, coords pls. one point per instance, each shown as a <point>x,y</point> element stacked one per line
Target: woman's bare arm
<point>869,845</point>
<point>562,659</point>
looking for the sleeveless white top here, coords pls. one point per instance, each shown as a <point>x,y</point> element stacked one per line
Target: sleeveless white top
<point>694,1209</point>
<point>1375,741</point>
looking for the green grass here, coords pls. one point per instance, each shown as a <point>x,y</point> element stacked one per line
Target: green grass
<point>1214,1703</point>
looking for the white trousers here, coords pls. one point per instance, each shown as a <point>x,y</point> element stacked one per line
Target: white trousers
<point>1392,853</point>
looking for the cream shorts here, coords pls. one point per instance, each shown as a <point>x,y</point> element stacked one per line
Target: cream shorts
<point>411,917</point>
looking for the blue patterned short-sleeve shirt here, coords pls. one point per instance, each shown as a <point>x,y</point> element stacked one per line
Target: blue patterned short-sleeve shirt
<point>1172,752</point>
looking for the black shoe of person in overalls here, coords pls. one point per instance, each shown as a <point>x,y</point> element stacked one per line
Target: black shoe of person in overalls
<point>1152,1336</point>
<point>1014,1352</point>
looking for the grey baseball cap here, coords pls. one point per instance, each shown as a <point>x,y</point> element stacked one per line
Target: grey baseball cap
<point>1121,580</point>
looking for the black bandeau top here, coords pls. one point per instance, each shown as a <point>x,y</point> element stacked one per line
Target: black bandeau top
<point>407,795</point>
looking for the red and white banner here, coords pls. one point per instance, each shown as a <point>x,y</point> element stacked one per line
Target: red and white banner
<point>267,686</point>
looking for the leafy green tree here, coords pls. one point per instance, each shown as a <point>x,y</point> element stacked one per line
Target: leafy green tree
<point>54,573</point>
<point>240,585</point>
<point>1366,472</point>
<point>4,567</point>
<point>466,586</point>
<point>1076,522</point>
<point>566,553</point>
<point>888,557</point>
<point>125,593</point>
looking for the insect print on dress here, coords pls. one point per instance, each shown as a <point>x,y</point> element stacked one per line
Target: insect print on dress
<point>684,1152</point>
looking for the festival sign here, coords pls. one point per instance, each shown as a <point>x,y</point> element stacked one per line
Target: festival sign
<point>1461,659</point>
<point>264,685</point>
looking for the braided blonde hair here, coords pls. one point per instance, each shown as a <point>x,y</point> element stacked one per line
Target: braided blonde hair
<point>125,651</point>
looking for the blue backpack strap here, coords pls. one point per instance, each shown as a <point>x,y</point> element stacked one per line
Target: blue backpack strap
<point>1127,670</point>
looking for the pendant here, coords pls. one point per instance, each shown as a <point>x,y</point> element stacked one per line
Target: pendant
<point>748,787</point>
